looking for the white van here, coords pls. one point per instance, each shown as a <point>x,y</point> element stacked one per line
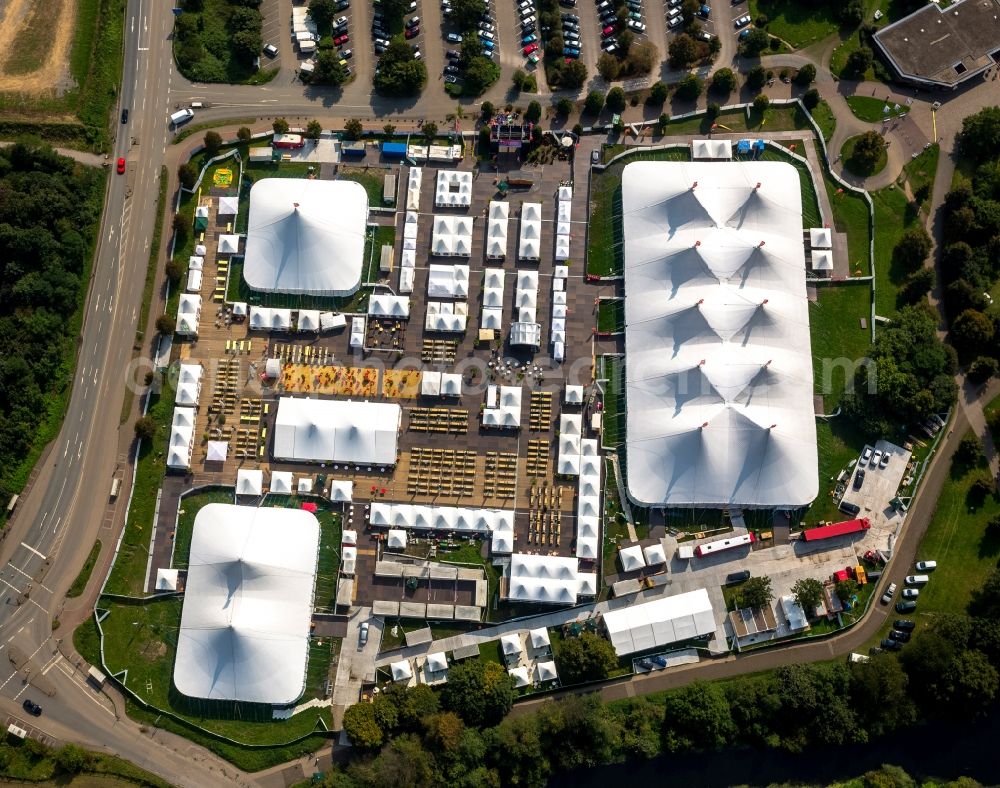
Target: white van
<point>181,116</point>
<point>917,580</point>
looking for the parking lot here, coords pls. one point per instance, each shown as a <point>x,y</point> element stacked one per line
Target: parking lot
<point>879,484</point>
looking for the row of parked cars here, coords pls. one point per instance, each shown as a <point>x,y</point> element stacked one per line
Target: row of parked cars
<point>531,41</point>
<point>902,628</point>
<point>380,29</point>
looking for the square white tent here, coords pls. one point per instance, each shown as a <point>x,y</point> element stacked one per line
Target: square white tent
<point>248,604</point>
<point>396,539</point>
<point>539,637</point>
<point>341,491</point>
<point>661,622</point>
<point>573,395</point>
<point>546,671</point>
<point>349,537</point>
<point>822,260</point>
<point>451,384</point>
<point>631,558</point>
<point>308,320</point>
<point>453,189</point>
<point>401,670</point>
<point>181,439</point>
<point>349,556</point>
<point>520,676</point>
<point>216,451</point>
<point>715,274</point>
<point>446,317</point>
<point>357,339</point>
<point>305,485</point>
<point>229,244</point>
<point>188,315</point>
<point>448,281</point>
<point>430,383</point>
<point>249,481</point>
<point>229,206</point>
<point>451,236</point>
<point>511,644</point>
<point>437,662</point>
<point>586,547</point>
<point>820,238</point>
<point>654,554</point>
<point>166,579</point>
<point>281,482</point>
<point>313,430</point>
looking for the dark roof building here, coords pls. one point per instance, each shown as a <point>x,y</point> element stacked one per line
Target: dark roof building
<point>943,47</point>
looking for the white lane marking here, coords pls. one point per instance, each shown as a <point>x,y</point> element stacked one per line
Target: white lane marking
<point>30,578</point>
<point>32,549</point>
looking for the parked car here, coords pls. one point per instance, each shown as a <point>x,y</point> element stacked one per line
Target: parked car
<point>125,115</point>
<point>571,26</point>
<point>571,52</point>
<point>737,577</point>
<point>859,478</point>
<point>528,20</point>
<point>911,593</point>
<point>704,35</point>
<point>346,54</point>
<point>849,508</point>
<point>486,26</point>
<point>885,459</point>
<point>411,32</point>
<point>121,165</point>
<point>486,45</point>
<point>609,45</point>
<point>904,625</point>
<point>270,50</point>
<point>638,27</point>
<point>906,606</point>
<point>891,645</point>
<point>453,38</point>
<point>926,566</point>
<point>570,18</point>
<point>608,31</point>
<point>568,3</point>
<point>453,54</point>
<point>341,40</point>
<point>890,592</point>
<point>876,456</point>
<point>917,580</point>
<point>900,636</point>
<point>529,39</point>
<point>677,21</point>
<point>742,21</point>
<point>704,12</point>
<point>343,5</point>
<point>529,49</point>
<point>451,79</point>
<point>450,69</point>
<point>31,707</point>
<point>341,20</point>
<point>866,455</point>
<point>743,34</point>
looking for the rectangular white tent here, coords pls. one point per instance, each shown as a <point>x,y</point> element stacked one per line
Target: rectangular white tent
<point>181,440</point>
<point>526,334</point>
<point>189,385</point>
<point>454,189</point>
<point>446,316</point>
<point>448,281</point>
<point>248,604</point>
<point>357,332</point>
<point>384,305</point>
<point>441,518</point>
<point>451,236</point>
<point>544,579</point>
<point>795,616</point>
<point>188,315</point>
<point>413,182</point>
<point>430,383</point>
<point>667,620</point>
<point>711,149</point>
<point>719,380</point>
<point>529,246</point>
<point>322,430</point>
<point>498,217</point>
<point>193,280</point>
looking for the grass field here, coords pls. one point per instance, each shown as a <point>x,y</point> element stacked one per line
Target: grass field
<point>869,108</point>
<point>857,167</point>
<point>614,402</point>
<point>893,214</point>
<point>837,442</point>
<point>797,23</point>
<point>373,180</point>
<point>189,507</point>
<point>611,315</point>
<point>838,340</point>
<point>88,567</point>
<point>956,538</point>
<point>850,216</point>
<point>825,119</point>
<point>810,202</point>
<point>921,170</point>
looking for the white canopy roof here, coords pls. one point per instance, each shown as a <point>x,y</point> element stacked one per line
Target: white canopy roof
<point>822,260</point>
<point>322,430</point>
<point>441,518</point>
<point>520,676</point>
<point>437,662</point>
<point>546,671</point>
<point>308,320</point>
<point>448,281</point>
<point>349,537</point>
<point>511,644</point>
<point>720,379</point>
<point>539,637</point>
<point>529,242</point>
<point>396,539</point>
<point>413,181</point>
<point>306,236</point>
<point>402,670</point>
<point>631,558</point>
<point>565,193</point>
<point>446,316</point>
<point>248,604</point>
<point>507,412</point>
<point>281,482</point>
<point>496,229</point>
<point>217,451</point>
<point>193,280</point>
<point>349,558</point>
<point>201,250</point>
<point>454,189</point>
<point>574,395</point>
<point>358,331</point>
<point>188,314</point>
<point>658,623</point>
<point>229,206</point>
<point>430,383</point>
<point>586,547</point>
<point>711,149</point>
<point>166,579</point>
<point>654,554</point>
<point>451,236</point>
<point>384,305</point>
<point>407,277</point>
<point>305,484</point>
<point>181,438</point>
<point>543,578</point>
<point>341,490</point>
<point>229,244</point>
<point>820,237</point>
<point>525,333</point>
<point>451,384</point>
<point>239,308</point>
<point>196,263</point>
<point>249,481</point>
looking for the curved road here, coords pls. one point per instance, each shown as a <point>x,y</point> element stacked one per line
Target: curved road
<point>66,507</point>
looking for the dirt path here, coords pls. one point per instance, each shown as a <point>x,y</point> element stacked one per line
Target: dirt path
<point>53,71</point>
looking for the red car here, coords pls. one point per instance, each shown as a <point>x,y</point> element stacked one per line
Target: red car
<point>341,40</point>
<point>121,165</point>
<point>529,49</point>
<point>608,31</point>
<point>412,32</point>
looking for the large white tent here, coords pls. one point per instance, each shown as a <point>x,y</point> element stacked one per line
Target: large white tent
<point>249,481</point>
<point>529,246</point>
<point>446,316</point>
<point>181,439</point>
<point>188,315</point>
<point>441,518</point>
<point>453,189</point>
<point>448,281</point>
<point>658,623</point>
<point>451,236</point>
<point>188,384</point>
<point>544,579</point>
<point>498,217</point>
<point>719,379</point>
<point>306,236</point>
<point>631,558</point>
<point>248,604</point>
<point>323,430</point>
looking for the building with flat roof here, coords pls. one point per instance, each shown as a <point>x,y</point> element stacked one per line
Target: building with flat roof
<point>938,47</point>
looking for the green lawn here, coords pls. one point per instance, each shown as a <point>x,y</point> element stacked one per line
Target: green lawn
<point>611,315</point>
<point>869,108</point>
<point>858,168</point>
<point>956,538</point>
<point>825,119</point>
<point>88,567</point>
<point>837,442</point>
<point>850,216</point>
<point>189,508</point>
<point>810,203</point>
<point>604,253</point>
<point>893,214</point>
<point>838,340</point>
<point>614,402</point>
<point>130,567</point>
<point>921,170</point>
<point>372,179</point>
<point>798,23</point>
<point>470,553</point>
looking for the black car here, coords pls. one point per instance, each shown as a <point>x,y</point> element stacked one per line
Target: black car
<point>903,624</point>
<point>891,645</point>
<point>451,69</point>
<point>900,637</point>
<point>339,30</point>
<point>568,3</point>
<point>453,54</point>
<point>859,479</point>
<point>608,16</point>
<point>570,18</point>
<point>571,27</point>
<point>379,49</point>
<point>125,115</point>
<point>737,577</point>
<point>906,606</point>
<point>850,508</point>
<point>31,707</point>
<point>343,5</point>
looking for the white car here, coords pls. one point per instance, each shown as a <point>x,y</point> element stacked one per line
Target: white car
<point>486,27</point>
<point>911,593</point>
<point>363,635</point>
<point>866,455</point>
<point>341,20</point>
<point>890,592</point>
<point>638,27</point>
<point>743,21</point>
<point>926,566</point>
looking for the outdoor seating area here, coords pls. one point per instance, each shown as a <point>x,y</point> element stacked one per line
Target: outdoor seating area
<point>544,528</point>
<point>345,381</point>
<point>537,464</point>
<point>540,411</point>
<point>454,421</point>
<point>447,472</point>
<point>438,351</point>
<point>401,383</point>
<point>289,353</point>
<point>501,475</point>
<point>227,380</point>
<point>385,334</point>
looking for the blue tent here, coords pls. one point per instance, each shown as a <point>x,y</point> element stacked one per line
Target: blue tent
<point>743,146</point>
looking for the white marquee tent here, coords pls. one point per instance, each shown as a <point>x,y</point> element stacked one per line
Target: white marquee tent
<point>249,481</point>
<point>448,281</point>
<point>451,236</point>
<point>244,631</point>
<point>216,451</point>
<point>396,539</point>
<point>281,482</point>
<point>654,554</point>
<point>506,412</point>
<point>511,644</point>
<point>539,637</point>
<point>181,440</point>
<point>529,246</point>
<point>453,189</point>
<point>306,236</point>
<point>188,315</point>
<point>663,621</point>
<point>441,518</point>
<point>446,316</point>
<point>384,305</point>
<point>498,217</point>
<point>437,662</point>
<point>820,238</point>
<point>546,671</point>
<point>229,244</point>
<point>413,181</point>
<point>401,670</point>
<point>317,430</point>
<point>719,381</point>
<point>711,149</point>
<point>631,558</point>
<point>542,578</point>
<point>520,676</point>
<point>189,384</point>
<point>229,206</point>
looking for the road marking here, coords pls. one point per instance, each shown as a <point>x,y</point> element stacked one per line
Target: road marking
<point>30,578</point>
<point>32,549</point>
<point>51,664</point>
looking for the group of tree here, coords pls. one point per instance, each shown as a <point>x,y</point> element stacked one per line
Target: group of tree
<point>970,257</point>
<point>685,50</point>
<point>48,218</point>
<point>400,72</point>
<point>631,59</point>
<point>466,14</point>
<point>479,72</point>
<point>868,149</point>
<point>327,69</point>
<point>207,42</point>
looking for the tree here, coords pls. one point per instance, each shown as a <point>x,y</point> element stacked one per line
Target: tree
<point>481,694</point>
<point>641,58</point>
<point>577,732</point>
<point>280,126</point>
<point>323,12</point>
<point>980,135</point>
<point>145,428</point>
<point>72,759</point>
<point>852,13</point>
<point>969,450</point>
<point>429,130</point>
<point>165,324</point>
<point>486,110</point>
<point>723,81</point>
<point>868,149</point>
<point>573,75</point>
<point>971,331</point>
<point>858,63</point>
<point>400,73</point>
<point>806,75</point>
<point>811,98</point>
<point>314,129</point>
<point>594,103</point>
<point>564,107</point>
<point>808,592</point>
<point>756,77</point>
<point>658,93</point>
<point>888,776</point>
<point>757,41</point>
<point>328,70</point>
<point>243,134</point>
<point>465,14</point>
<point>689,88</point>
<point>246,43</point>
<point>533,113</point>
<point>912,248</point>
<point>353,128</point>
<point>616,100</point>
<point>969,684</point>
<point>443,731</point>
<point>982,368</point>
<point>417,703</point>
<point>187,175</point>
<point>518,751</point>
<point>756,592</point>
<point>361,727</point>
<point>173,269</point>
<point>517,79</point>
<point>917,285</point>
<point>608,66</point>
<point>761,102</point>
<point>588,657</point>
<point>879,694</point>
<point>212,142</point>
<point>483,72</point>
<point>697,717</point>
<point>845,589</point>
<point>682,51</point>
<point>985,600</point>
